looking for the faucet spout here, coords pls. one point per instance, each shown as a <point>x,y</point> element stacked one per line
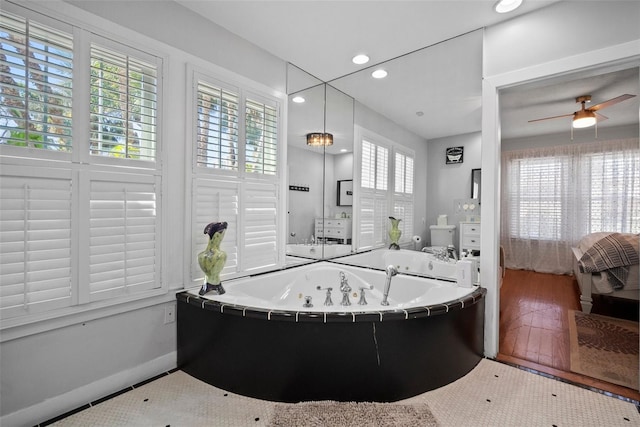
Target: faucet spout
<point>345,289</point>
<point>391,271</point>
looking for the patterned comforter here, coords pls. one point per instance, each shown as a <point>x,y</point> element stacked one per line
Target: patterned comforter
<point>613,253</point>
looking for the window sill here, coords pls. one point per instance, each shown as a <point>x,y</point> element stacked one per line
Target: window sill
<point>27,325</point>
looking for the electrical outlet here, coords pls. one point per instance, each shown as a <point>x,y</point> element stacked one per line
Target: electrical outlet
<point>169,313</point>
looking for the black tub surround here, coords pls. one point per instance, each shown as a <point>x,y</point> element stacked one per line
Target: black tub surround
<point>293,356</point>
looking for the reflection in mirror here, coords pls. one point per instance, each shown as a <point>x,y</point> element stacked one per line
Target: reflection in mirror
<point>315,107</point>
<point>476,176</point>
<point>430,95</point>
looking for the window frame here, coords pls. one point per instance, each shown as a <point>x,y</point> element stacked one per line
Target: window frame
<point>242,179</point>
<point>78,163</point>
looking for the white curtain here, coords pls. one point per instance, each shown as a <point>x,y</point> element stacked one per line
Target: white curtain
<point>554,196</point>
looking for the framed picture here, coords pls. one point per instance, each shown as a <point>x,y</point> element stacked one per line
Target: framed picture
<point>345,192</point>
<point>454,155</point>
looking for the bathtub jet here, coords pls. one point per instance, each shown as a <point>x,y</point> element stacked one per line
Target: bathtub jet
<point>259,340</point>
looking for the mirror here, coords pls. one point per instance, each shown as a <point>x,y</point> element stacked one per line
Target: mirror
<point>476,175</point>
<point>312,171</point>
<point>430,96</point>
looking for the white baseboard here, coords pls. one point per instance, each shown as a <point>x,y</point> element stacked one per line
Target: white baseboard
<point>73,399</point>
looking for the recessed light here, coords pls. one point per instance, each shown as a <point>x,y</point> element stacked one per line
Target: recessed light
<point>360,59</point>
<point>379,74</point>
<point>419,113</point>
<point>298,99</point>
<point>505,6</point>
<point>343,150</point>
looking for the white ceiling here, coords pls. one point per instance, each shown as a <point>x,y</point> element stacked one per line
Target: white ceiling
<point>322,36</point>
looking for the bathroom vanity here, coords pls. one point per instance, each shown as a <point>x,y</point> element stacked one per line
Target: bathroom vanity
<point>334,229</point>
<point>469,236</point>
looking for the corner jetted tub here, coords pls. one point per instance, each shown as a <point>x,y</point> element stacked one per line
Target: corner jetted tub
<point>272,337</point>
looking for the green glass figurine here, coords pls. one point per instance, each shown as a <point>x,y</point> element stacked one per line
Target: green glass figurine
<point>212,259</point>
<point>394,233</point>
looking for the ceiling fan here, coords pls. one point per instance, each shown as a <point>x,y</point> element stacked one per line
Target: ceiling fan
<point>586,117</point>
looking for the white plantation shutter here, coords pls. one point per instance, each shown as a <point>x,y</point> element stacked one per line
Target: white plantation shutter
<point>217,128</point>
<point>403,195</point>
<point>215,201</point>
<point>374,176</point>
<point>124,91</point>
<point>260,219</point>
<point>261,138</point>
<point>235,182</point>
<point>35,240</point>
<point>366,223</point>
<point>124,230</point>
<point>36,84</point>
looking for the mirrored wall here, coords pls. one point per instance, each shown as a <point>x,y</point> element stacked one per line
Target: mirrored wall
<point>426,91</point>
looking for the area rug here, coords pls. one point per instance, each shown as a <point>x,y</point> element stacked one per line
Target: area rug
<point>351,414</point>
<point>604,347</point>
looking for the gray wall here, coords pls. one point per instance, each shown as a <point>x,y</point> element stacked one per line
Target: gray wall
<point>445,183</point>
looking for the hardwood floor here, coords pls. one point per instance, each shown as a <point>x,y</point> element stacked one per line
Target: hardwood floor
<point>534,328</point>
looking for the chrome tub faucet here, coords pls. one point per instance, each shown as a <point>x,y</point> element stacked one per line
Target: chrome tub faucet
<point>345,289</point>
<point>391,271</point>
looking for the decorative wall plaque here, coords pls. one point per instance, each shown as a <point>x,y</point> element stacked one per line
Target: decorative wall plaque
<point>454,155</point>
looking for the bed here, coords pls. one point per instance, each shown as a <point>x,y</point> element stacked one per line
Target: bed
<point>607,264</point>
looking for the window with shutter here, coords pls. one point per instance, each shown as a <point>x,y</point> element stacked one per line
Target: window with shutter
<point>538,195</point>
<point>261,123</point>
<point>383,192</point>
<point>36,64</point>
<point>374,204</point>
<point>233,182</point>
<point>217,128</point>
<point>123,233</point>
<point>403,195</point>
<point>123,105</point>
<point>35,240</point>
<point>73,231</point>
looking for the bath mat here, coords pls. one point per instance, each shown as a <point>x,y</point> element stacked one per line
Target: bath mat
<point>351,414</point>
<point>604,347</point>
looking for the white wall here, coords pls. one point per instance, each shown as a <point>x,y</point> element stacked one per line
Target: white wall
<point>448,182</point>
<point>552,140</point>
<point>552,41</point>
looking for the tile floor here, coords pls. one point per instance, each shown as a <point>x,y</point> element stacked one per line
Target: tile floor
<point>492,394</point>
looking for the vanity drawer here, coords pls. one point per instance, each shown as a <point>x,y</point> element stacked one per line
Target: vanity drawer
<point>472,242</point>
<point>471,230</point>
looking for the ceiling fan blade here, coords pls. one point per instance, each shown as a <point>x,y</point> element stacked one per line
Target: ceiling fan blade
<point>600,117</point>
<point>549,118</point>
<point>610,102</point>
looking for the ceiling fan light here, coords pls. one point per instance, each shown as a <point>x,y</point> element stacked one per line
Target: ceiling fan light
<point>505,6</point>
<point>583,119</point>
<point>319,139</point>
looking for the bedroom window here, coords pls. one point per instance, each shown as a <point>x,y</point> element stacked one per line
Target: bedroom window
<point>554,196</point>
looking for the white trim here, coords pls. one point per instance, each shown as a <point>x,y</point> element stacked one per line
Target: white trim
<point>80,396</point>
<point>34,324</point>
<point>491,150</point>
